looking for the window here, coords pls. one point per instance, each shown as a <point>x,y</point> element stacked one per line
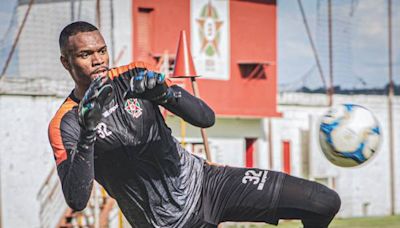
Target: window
<point>254,70</point>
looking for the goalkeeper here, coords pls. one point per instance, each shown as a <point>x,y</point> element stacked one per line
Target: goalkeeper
<point>110,129</point>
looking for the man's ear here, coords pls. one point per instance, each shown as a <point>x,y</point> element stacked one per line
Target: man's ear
<point>65,62</point>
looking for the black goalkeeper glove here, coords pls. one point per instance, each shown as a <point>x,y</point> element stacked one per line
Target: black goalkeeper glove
<point>91,106</point>
<point>148,84</point>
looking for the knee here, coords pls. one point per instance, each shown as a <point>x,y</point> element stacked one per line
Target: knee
<point>329,201</point>
<point>335,202</point>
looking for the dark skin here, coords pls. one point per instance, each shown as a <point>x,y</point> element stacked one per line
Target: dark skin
<point>85,57</point>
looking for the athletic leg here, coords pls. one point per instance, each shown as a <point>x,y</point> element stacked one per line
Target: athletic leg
<point>313,203</point>
<point>240,194</point>
<point>256,195</point>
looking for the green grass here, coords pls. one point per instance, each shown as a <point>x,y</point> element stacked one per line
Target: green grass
<point>365,222</point>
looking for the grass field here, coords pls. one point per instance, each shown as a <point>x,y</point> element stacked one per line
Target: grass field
<point>368,222</point>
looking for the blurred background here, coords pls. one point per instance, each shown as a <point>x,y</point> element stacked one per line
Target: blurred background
<point>269,68</point>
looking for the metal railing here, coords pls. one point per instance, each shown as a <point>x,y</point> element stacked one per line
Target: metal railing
<point>52,203</point>
<point>54,212</point>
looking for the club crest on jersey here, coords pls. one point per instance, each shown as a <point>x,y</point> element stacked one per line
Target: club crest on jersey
<point>132,106</point>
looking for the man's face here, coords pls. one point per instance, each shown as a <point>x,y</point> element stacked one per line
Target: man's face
<point>86,57</point>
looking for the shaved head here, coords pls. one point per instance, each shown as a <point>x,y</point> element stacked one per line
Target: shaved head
<point>71,30</point>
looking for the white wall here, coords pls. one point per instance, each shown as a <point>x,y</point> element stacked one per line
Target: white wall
<point>368,184</point>
<point>123,31</point>
<point>25,156</point>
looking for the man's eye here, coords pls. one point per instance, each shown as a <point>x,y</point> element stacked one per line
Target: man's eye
<point>84,55</point>
<point>103,51</point>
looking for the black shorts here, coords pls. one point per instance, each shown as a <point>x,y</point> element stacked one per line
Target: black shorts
<point>237,195</point>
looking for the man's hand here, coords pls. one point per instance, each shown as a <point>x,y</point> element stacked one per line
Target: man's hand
<point>146,83</point>
<point>91,106</point>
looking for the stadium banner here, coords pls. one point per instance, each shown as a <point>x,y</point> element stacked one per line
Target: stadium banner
<point>210,38</point>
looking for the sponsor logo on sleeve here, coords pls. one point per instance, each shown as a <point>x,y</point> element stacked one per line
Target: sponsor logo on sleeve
<point>110,111</point>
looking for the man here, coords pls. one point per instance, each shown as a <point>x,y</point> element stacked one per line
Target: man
<point>110,129</point>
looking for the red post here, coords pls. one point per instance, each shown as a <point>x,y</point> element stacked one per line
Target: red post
<point>250,152</point>
<point>286,157</point>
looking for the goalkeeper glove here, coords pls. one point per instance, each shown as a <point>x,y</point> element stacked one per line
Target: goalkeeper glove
<point>91,106</point>
<point>148,84</point>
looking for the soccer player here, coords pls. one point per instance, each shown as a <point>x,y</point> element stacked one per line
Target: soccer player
<point>110,129</point>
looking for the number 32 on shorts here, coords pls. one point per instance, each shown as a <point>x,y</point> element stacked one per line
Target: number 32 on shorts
<point>256,177</point>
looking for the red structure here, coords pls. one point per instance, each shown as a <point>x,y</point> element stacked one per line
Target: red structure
<point>251,88</point>
<point>250,148</point>
<point>286,154</point>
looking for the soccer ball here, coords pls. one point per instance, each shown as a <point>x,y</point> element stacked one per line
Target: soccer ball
<point>349,135</point>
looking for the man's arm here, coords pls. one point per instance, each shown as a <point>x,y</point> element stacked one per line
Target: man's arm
<point>77,172</point>
<point>74,157</point>
<point>190,108</point>
<point>73,143</point>
<point>144,82</point>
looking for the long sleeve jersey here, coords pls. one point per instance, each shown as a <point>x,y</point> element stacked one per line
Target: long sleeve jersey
<point>155,182</point>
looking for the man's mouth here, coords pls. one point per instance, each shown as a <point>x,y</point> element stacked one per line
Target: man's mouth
<point>101,72</point>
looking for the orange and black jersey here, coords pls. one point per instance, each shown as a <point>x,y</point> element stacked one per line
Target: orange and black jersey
<point>135,158</point>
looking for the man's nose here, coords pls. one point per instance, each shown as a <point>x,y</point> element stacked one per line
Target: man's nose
<point>97,59</point>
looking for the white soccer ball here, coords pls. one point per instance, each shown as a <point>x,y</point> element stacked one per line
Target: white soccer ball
<point>349,135</point>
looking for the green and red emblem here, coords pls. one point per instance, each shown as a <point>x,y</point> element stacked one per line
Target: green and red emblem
<point>209,29</point>
<point>132,106</point>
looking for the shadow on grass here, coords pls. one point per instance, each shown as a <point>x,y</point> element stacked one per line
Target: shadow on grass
<point>364,222</point>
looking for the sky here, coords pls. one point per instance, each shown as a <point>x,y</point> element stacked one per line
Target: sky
<point>6,8</point>
<point>360,42</point>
